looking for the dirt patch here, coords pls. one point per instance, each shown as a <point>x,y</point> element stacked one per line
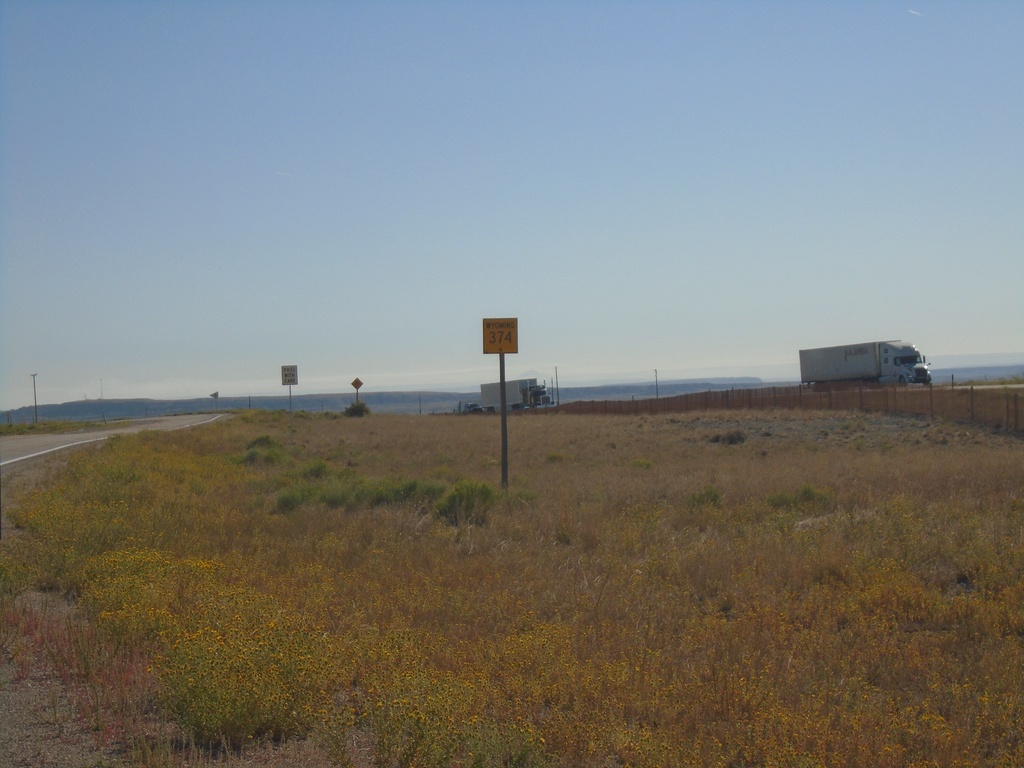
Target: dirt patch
<point>41,725</point>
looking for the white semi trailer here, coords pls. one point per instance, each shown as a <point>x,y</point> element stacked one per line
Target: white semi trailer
<point>519,394</point>
<point>884,362</point>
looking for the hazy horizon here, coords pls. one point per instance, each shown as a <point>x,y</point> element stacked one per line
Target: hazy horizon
<point>767,374</point>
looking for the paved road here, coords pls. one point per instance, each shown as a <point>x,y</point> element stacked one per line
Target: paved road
<point>15,448</point>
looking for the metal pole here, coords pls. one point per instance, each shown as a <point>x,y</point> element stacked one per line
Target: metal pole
<point>655,383</point>
<point>35,402</point>
<point>504,421</point>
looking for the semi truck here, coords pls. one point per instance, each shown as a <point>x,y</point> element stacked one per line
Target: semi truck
<point>882,362</point>
<point>519,394</point>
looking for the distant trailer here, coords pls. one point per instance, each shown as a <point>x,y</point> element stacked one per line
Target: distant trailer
<point>519,394</point>
<point>884,362</point>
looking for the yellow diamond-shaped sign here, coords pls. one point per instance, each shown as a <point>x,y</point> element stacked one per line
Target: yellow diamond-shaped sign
<point>357,383</point>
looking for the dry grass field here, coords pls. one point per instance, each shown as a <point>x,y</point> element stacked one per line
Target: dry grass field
<point>769,588</point>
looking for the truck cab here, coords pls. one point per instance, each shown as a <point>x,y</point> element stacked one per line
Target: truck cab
<point>910,365</point>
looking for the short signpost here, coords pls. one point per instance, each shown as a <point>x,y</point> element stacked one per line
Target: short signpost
<point>501,336</point>
<point>356,384</point>
<point>289,377</point>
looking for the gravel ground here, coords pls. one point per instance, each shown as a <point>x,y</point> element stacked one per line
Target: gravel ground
<point>40,725</point>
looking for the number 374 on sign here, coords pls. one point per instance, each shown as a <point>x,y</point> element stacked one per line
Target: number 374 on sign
<point>501,335</point>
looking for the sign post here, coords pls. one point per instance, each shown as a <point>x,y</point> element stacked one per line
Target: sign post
<point>501,336</point>
<point>290,376</point>
<point>357,383</point>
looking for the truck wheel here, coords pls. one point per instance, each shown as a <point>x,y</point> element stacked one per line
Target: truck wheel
<point>903,379</point>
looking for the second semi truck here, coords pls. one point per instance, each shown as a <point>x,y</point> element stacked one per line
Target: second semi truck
<point>519,394</point>
<point>882,362</point>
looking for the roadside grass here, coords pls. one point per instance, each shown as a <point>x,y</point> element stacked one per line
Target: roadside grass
<point>710,589</point>
<point>54,427</point>
<point>1007,381</point>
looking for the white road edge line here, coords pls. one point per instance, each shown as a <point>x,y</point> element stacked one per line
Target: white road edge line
<point>197,424</point>
<point>96,440</point>
<point>51,450</point>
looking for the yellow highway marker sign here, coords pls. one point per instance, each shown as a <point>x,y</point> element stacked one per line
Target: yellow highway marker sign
<point>501,335</point>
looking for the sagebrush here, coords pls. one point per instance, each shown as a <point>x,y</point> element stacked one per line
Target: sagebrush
<point>813,594</point>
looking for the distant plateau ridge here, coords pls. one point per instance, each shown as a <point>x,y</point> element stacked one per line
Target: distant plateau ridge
<point>424,402</point>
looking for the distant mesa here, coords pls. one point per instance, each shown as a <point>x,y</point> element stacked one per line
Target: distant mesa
<point>425,402</point>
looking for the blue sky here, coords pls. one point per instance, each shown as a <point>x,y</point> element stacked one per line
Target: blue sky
<point>193,194</point>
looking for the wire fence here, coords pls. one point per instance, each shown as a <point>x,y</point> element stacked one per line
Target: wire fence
<point>997,407</point>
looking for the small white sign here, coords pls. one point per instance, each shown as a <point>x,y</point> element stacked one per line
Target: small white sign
<point>289,374</point>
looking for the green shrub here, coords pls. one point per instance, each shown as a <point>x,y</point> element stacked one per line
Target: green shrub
<point>806,496</point>
<point>358,408</point>
<point>316,469</point>
<point>339,494</point>
<point>349,491</point>
<point>391,490</point>
<point>811,496</point>
<point>708,496</point>
<point>733,437</point>
<point>294,496</point>
<point>468,501</point>
<point>264,441</point>
<point>262,450</point>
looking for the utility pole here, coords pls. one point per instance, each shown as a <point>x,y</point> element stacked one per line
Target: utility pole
<point>655,383</point>
<point>35,401</point>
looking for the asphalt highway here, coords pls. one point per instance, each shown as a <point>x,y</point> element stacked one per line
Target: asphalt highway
<point>15,448</point>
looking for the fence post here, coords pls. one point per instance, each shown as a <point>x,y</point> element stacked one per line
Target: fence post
<point>971,405</point>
